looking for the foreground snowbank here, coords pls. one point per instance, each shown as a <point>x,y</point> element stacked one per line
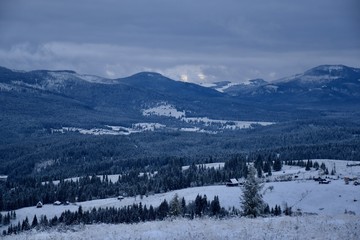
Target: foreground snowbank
<point>304,227</point>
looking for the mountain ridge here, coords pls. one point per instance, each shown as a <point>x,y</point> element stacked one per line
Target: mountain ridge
<point>63,116</point>
<point>318,84</point>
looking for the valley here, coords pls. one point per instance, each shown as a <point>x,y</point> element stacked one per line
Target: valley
<point>145,140</point>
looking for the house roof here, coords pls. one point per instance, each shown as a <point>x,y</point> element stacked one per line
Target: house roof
<point>234,181</point>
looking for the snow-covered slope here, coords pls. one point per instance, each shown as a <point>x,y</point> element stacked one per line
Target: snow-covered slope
<point>307,227</point>
<point>301,193</point>
<point>321,204</point>
<point>325,82</point>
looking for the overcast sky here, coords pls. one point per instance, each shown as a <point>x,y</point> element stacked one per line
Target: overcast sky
<point>192,40</point>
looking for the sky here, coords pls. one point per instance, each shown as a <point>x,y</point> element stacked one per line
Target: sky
<point>199,41</point>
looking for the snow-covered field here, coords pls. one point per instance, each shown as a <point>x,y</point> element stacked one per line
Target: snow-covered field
<point>113,130</point>
<point>307,227</point>
<point>197,124</point>
<point>166,110</point>
<point>323,207</point>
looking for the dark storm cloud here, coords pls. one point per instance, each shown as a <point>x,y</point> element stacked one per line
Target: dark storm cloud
<point>205,40</point>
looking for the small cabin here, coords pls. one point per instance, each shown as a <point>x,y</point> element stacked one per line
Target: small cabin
<point>232,183</point>
<point>39,204</point>
<point>120,198</point>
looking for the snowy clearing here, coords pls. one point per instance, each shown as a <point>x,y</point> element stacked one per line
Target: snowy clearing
<point>167,110</point>
<point>113,130</point>
<point>306,227</point>
<point>327,204</point>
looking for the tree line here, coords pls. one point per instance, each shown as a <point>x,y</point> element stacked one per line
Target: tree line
<point>28,191</point>
<point>134,213</point>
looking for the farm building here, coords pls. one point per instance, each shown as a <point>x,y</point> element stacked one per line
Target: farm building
<point>39,204</point>
<point>232,183</point>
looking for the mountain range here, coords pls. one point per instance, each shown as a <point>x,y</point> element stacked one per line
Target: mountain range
<point>326,83</point>
<point>52,93</point>
<point>48,114</point>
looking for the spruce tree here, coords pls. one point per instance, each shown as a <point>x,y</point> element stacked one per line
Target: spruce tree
<point>307,167</point>
<point>34,222</point>
<point>251,200</point>
<point>25,225</point>
<point>215,206</point>
<point>277,165</point>
<point>175,206</point>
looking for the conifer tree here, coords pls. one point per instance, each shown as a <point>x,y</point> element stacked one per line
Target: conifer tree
<point>34,222</point>
<point>277,165</point>
<point>251,200</point>
<point>215,206</point>
<point>175,206</point>
<point>307,168</point>
<point>25,225</point>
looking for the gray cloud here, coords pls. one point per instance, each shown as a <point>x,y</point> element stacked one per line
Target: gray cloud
<point>207,40</point>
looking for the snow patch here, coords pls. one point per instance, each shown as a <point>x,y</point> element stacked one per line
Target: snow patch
<point>113,130</point>
<point>208,85</point>
<point>225,124</point>
<point>5,87</point>
<point>168,110</point>
<point>165,110</point>
<point>272,88</point>
<point>223,88</point>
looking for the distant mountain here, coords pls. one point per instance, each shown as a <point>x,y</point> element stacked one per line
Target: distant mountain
<point>322,84</point>
<point>45,99</point>
<point>66,123</point>
<point>247,87</point>
<point>37,100</point>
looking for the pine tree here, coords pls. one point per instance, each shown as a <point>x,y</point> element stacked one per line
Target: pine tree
<point>44,221</point>
<point>175,206</point>
<point>34,222</point>
<point>277,165</point>
<point>307,168</point>
<point>25,225</point>
<point>183,206</point>
<point>215,206</point>
<point>316,165</point>
<point>251,200</point>
<point>163,210</point>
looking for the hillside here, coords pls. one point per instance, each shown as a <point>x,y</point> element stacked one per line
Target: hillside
<point>332,207</point>
<point>61,117</point>
<point>310,227</point>
<point>323,85</point>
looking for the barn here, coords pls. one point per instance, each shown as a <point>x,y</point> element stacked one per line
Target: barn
<point>233,182</point>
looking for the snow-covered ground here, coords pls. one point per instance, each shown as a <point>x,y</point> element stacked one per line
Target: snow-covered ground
<point>197,124</point>
<point>113,130</point>
<point>167,110</point>
<point>306,227</point>
<point>327,204</point>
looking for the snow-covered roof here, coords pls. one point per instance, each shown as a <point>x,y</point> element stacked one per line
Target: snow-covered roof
<point>234,181</point>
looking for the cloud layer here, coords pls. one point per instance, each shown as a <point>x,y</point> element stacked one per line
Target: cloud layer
<point>198,41</point>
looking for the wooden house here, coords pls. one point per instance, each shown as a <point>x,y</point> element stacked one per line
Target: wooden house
<point>39,204</point>
<point>232,183</point>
